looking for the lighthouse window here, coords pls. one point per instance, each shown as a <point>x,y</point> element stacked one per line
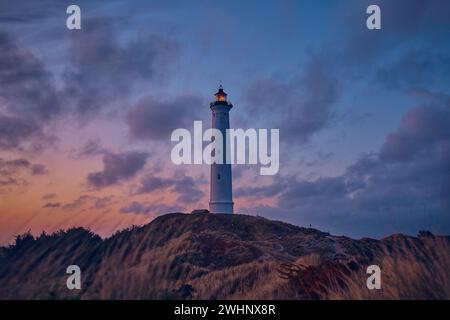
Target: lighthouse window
<point>218,176</point>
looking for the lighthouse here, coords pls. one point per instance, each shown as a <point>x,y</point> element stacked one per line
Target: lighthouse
<point>221,194</point>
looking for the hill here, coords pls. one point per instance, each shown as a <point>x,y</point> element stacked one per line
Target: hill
<point>214,256</point>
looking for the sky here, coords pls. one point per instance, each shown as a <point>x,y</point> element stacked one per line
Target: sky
<point>86,115</point>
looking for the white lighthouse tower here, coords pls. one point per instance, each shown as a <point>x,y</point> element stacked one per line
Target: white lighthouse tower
<point>221,196</point>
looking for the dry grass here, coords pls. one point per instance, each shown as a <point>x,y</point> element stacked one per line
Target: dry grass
<point>223,257</point>
<point>411,268</point>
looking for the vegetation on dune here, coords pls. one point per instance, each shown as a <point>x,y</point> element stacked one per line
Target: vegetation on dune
<point>207,256</point>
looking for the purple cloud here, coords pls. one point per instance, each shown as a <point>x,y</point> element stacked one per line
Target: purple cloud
<point>150,183</point>
<point>301,106</point>
<point>186,187</point>
<point>51,205</point>
<point>14,130</point>
<point>103,69</point>
<point>421,129</point>
<point>16,166</point>
<point>102,202</point>
<point>155,119</point>
<point>91,148</point>
<point>117,167</point>
<point>49,196</point>
<point>78,202</point>
<point>403,188</point>
<point>146,209</point>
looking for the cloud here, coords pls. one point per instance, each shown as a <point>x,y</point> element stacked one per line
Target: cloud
<point>265,191</point>
<point>51,205</point>
<point>117,167</point>
<point>305,104</point>
<point>104,69</point>
<point>401,21</point>
<point>14,130</point>
<point>415,68</point>
<point>100,72</point>
<point>146,209</point>
<point>9,167</point>
<point>136,208</point>
<point>28,11</point>
<point>301,106</point>
<point>78,202</point>
<point>91,148</point>
<point>49,196</point>
<point>38,169</point>
<point>151,183</point>
<point>403,188</point>
<point>26,86</point>
<point>103,202</point>
<point>89,202</point>
<point>16,166</point>
<point>28,98</point>
<point>155,119</point>
<point>410,50</point>
<point>299,192</point>
<point>422,128</point>
<point>7,182</point>
<point>186,187</point>
<point>16,172</point>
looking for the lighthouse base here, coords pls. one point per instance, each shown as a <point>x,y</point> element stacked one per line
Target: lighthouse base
<point>221,207</point>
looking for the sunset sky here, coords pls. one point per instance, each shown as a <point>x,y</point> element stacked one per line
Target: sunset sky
<point>86,115</point>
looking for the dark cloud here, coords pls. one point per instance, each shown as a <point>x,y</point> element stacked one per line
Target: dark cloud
<point>415,68</point>
<point>28,11</point>
<point>26,86</point>
<point>324,187</point>
<point>91,148</point>
<point>103,202</point>
<point>404,17</point>
<point>403,188</point>
<point>146,209</point>
<point>188,190</point>
<point>28,99</point>
<point>301,106</point>
<point>9,167</point>
<point>186,187</point>
<point>117,167</point>
<point>38,169</point>
<point>136,208</point>
<point>7,181</point>
<point>103,69</point>
<point>304,105</point>
<point>155,119</point>
<point>401,21</point>
<point>267,191</point>
<point>89,202</point>
<point>51,205</point>
<point>101,72</point>
<point>319,158</point>
<point>78,202</point>
<point>410,49</point>
<point>14,130</point>
<point>49,196</point>
<point>151,183</point>
<point>16,172</point>
<point>16,166</point>
<point>421,129</point>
